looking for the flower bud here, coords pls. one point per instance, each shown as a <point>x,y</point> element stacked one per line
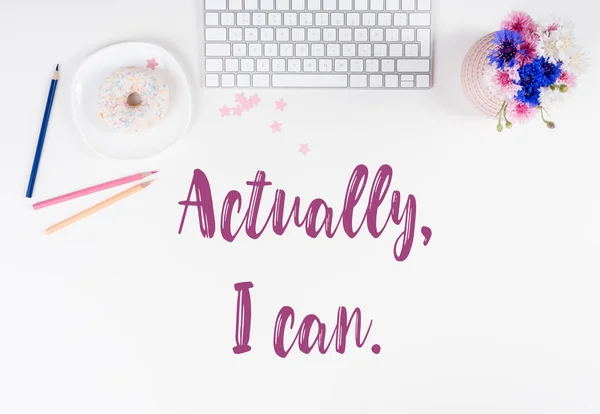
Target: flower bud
<point>509,124</point>
<point>551,124</point>
<point>564,88</point>
<point>553,87</point>
<point>499,127</point>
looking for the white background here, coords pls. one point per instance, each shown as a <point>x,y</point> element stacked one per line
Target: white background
<point>120,314</point>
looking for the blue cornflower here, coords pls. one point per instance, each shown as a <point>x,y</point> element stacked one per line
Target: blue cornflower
<point>507,48</point>
<point>538,74</point>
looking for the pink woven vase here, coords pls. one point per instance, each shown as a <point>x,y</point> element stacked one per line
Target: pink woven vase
<point>473,70</point>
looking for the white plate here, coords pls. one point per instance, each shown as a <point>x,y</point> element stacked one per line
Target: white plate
<point>118,145</point>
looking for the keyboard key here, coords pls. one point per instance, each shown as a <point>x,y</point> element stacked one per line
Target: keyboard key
<point>408,4</point>
<point>358,81</point>
<point>408,35</point>
<point>215,33</point>
<point>407,84</point>
<point>391,81</point>
<point>329,4</point>
<point>214,65</point>
<point>345,35</point>
<point>235,5</point>
<point>333,49</point>
<point>263,65</point>
<point>298,35</point>
<point>310,65</point>
<point>247,65</point>
<point>321,19</point>
<point>266,34</point>
<point>412,65</point>
<point>231,65</point>
<point>376,4</point>
<point>212,80</point>
<point>372,65</point>
<point>345,5</point>
<point>260,80</point>
<point>375,81</point>
<point>360,5</point>
<point>424,37</point>
<point>314,35</point>
<point>282,34</point>
<point>337,19</point>
<point>218,49</point>
<point>239,49</point>
<point>227,19</point>
<point>243,19</point>
<point>387,65</point>
<point>306,19</point>
<point>400,19</point>
<point>411,50</point>
<point>356,65</point>
<point>419,19</point>
<point>368,19</point>
<point>349,49</point>
<point>278,65</point>
<point>294,65</point>
<point>424,4</point>
<point>286,50</point>
<point>325,65</point>
<point>329,35</point>
<point>270,49</point>
<point>250,4</point>
<point>341,65</point>
<point>259,19</point>
<point>274,19</point>
<point>392,5</point>
<point>353,19</point>
<point>423,81</point>
<point>251,34</point>
<point>255,49</point>
<point>310,81</point>
<point>317,49</point>
<point>235,34</point>
<point>392,35</point>
<point>384,19</point>
<point>376,35</point>
<point>364,49</point>
<point>282,4</point>
<point>380,50</point>
<point>243,80</point>
<point>290,19</point>
<point>297,4</point>
<point>301,49</point>
<point>211,19</point>
<point>215,4</point>
<point>360,35</point>
<point>228,80</point>
<point>314,4</point>
<point>266,4</point>
<point>396,49</point>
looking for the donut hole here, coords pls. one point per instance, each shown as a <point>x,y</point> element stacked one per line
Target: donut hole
<point>134,99</point>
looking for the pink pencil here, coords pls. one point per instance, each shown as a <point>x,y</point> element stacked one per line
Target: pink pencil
<point>93,189</point>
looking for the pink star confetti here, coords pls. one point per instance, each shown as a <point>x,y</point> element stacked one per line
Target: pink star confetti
<point>280,105</point>
<point>254,99</point>
<point>247,105</point>
<point>275,126</point>
<point>304,149</point>
<point>152,64</point>
<point>240,98</point>
<point>237,111</point>
<point>225,111</point>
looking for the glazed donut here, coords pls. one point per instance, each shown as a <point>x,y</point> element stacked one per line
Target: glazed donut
<point>133,99</point>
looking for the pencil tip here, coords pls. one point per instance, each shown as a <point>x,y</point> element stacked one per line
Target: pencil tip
<point>153,172</point>
<point>56,66</point>
<point>147,183</point>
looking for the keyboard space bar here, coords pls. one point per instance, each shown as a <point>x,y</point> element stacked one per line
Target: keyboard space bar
<point>286,80</point>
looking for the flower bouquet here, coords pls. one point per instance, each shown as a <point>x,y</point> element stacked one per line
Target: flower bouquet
<point>522,70</point>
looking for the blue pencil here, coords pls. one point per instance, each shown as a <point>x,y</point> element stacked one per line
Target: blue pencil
<point>40,144</point>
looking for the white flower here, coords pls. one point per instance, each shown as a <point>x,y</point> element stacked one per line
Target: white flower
<point>556,44</point>
<point>550,99</point>
<point>577,61</point>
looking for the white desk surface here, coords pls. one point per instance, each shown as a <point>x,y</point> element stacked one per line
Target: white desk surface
<point>120,314</point>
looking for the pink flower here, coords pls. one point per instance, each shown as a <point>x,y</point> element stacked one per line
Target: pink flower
<point>529,47</point>
<point>520,22</point>
<point>520,112</point>
<point>568,79</point>
<point>502,83</point>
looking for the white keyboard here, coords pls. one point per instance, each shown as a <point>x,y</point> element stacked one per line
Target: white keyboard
<point>383,44</point>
